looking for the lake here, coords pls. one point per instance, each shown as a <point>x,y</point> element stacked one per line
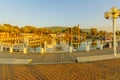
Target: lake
<point>76,46</point>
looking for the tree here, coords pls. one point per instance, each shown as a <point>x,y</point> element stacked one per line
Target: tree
<point>1,28</point>
<point>28,29</point>
<point>102,33</point>
<point>117,32</point>
<point>93,31</point>
<point>16,29</point>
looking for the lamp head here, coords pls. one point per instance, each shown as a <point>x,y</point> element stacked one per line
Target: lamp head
<point>114,10</point>
<point>107,15</point>
<point>119,12</point>
<point>116,15</point>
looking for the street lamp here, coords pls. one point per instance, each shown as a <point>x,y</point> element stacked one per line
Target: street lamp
<point>114,13</point>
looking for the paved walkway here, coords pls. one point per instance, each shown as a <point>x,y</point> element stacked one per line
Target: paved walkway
<point>54,58</point>
<point>102,70</point>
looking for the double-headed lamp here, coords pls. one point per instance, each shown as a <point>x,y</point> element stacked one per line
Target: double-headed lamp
<point>107,15</point>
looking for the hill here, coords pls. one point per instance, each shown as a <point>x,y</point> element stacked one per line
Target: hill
<point>56,29</point>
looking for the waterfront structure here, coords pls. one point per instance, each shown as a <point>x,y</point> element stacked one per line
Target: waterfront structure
<point>69,40</point>
<point>25,41</point>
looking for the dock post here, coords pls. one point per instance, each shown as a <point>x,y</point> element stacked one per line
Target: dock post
<point>42,51</point>
<point>110,45</point>
<point>87,48</point>
<point>70,49</point>
<point>1,49</point>
<point>11,49</point>
<point>25,50</point>
<point>101,47</point>
<point>45,46</point>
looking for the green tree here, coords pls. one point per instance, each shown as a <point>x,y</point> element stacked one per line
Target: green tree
<point>28,29</point>
<point>93,31</point>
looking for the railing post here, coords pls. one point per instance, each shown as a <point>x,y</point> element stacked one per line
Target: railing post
<point>110,45</point>
<point>25,50</point>
<point>87,48</point>
<point>11,49</point>
<point>101,47</point>
<point>1,48</point>
<point>42,50</point>
<point>70,49</point>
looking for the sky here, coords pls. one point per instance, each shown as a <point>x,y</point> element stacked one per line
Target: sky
<point>45,13</point>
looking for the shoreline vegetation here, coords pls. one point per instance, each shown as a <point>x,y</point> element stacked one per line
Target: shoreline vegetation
<point>49,37</point>
<point>75,33</point>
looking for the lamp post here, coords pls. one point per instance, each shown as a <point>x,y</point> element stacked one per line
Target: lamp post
<point>114,13</point>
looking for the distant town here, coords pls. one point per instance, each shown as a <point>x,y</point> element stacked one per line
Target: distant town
<point>75,33</point>
<point>30,36</point>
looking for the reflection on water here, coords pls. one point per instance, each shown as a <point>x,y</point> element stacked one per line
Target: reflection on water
<point>93,44</point>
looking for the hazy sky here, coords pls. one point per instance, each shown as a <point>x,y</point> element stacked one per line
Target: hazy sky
<point>40,13</point>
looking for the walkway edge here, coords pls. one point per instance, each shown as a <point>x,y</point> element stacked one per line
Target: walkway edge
<point>15,61</point>
<point>97,58</point>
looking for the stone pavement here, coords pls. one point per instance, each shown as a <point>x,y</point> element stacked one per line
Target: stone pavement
<point>57,58</point>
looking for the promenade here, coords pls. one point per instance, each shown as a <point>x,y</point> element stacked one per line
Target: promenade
<point>62,66</point>
<point>55,58</point>
<point>97,70</point>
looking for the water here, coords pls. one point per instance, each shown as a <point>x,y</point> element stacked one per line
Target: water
<point>83,44</point>
<point>80,46</point>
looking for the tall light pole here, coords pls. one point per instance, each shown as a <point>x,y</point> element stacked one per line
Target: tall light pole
<point>114,13</point>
